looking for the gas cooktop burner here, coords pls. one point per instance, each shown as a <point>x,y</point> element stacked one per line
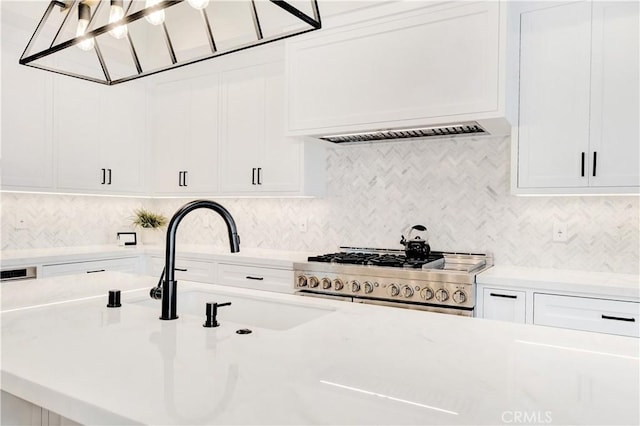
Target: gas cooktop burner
<point>375,259</point>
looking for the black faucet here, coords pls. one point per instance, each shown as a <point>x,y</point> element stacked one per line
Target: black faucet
<point>168,291</point>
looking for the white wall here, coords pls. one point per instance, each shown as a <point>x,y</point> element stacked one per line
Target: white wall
<point>458,188</point>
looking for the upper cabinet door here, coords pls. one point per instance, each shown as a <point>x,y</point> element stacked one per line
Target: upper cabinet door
<point>123,144</point>
<point>615,134</point>
<point>281,163</point>
<point>185,136</point>
<point>170,134</point>
<point>201,154</point>
<point>78,128</point>
<point>555,55</point>
<point>242,129</point>
<point>27,143</point>
<point>433,64</point>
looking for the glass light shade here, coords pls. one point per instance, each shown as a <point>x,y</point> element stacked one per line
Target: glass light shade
<point>155,18</point>
<point>84,14</point>
<point>198,4</point>
<point>115,14</point>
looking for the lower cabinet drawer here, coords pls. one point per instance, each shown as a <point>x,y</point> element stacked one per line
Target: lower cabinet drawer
<point>128,264</point>
<point>588,314</point>
<point>504,305</point>
<point>259,278</point>
<point>186,269</point>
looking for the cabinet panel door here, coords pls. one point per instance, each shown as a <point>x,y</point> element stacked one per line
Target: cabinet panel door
<point>27,145</point>
<point>615,134</point>
<point>555,55</point>
<point>171,134</point>
<point>78,124</point>
<point>504,305</point>
<point>404,67</point>
<point>202,148</point>
<point>281,163</point>
<point>242,136</point>
<point>123,138</point>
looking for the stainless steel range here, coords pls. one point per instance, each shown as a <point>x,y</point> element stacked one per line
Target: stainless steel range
<point>442,282</point>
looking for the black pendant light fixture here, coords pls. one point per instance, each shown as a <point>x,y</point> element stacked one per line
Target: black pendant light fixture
<point>113,41</point>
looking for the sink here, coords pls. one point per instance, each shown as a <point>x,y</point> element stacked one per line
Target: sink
<point>245,310</point>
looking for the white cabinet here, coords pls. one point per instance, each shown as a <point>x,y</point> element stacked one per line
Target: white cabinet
<point>127,264</point>
<point>185,269</point>
<point>578,100</point>
<point>256,277</point>
<point>615,100</point>
<point>435,64</point>
<point>17,411</point>
<point>100,133</point>
<point>503,305</point>
<point>588,314</point>
<point>255,155</point>
<point>185,136</point>
<point>27,145</point>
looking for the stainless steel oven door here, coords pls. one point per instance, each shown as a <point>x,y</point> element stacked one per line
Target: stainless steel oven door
<point>325,296</point>
<point>442,310</point>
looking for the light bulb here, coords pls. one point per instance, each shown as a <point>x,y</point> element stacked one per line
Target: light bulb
<point>155,18</point>
<point>116,13</point>
<point>198,4</point>
<point>84,15</point>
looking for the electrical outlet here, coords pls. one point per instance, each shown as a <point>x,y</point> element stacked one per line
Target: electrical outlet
<point>560,232</point>
<point>302,225</point>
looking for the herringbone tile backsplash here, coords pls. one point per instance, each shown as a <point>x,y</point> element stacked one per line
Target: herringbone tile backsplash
<point>458,188</point>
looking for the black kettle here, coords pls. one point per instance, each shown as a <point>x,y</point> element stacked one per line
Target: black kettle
<point>416,246</point>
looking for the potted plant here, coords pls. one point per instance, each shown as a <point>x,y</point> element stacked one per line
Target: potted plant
<point>149,223</point>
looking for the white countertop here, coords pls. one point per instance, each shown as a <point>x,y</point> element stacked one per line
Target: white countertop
<point>623,286</point>
<point>257,256</point>
<point>354,364</point>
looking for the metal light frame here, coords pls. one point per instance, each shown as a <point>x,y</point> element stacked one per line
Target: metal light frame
<point>314,23</point>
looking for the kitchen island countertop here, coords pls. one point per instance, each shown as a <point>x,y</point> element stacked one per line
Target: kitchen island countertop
<point>350,364</point>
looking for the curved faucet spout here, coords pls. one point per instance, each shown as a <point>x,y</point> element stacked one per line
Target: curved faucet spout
<point>169,285</point>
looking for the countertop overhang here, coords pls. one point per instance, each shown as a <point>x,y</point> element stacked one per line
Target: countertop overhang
<point>358,364</point>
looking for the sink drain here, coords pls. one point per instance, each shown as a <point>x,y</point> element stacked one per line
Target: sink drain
<point>243,331</point>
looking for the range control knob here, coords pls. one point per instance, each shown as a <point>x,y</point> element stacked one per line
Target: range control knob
<point>338,284</point>
<point>326,283</point>
<point>394,290</point>
<point>426,293</point>
<point>313,282</point>
<point>302,281</point>
<point>407,291</point>
<point>441,295</point>
<point>355,286</point>
<point>459,296</point>
<point>368,287</point>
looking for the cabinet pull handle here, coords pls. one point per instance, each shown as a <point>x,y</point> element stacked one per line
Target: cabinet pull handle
<point>109,181</point>
<point>184,178</point>
<point>181,269</point>
<point>582,165</point>
<point>253,176</point>
<point>506,296</point>
<point>179,178</point>
<point>104,176</point>
<point>259,177</point>
<point>609,317</point>
<point>249,277</point>
<point>595,157</point>
<point>95,271</point>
